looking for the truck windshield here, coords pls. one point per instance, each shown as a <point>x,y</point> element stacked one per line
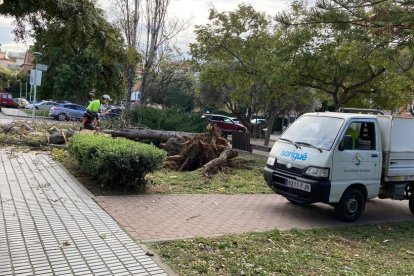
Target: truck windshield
<point>317,131</point>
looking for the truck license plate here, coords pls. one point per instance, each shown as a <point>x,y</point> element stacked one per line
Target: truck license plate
<point>298,185</point>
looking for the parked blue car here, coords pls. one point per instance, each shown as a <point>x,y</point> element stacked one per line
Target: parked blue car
<point>67,111</point>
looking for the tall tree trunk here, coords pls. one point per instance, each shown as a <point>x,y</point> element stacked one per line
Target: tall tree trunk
<point>270,124</point>
<point>130,12</point>
<point>156,34</point>
<point>143,96</point>
<point>156,14</point>
<point>130,83</point>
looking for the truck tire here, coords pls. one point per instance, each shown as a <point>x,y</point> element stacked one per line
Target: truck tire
<point>411,202</point>
<point>350,206</point>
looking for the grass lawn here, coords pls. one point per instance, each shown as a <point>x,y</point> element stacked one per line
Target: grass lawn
<point>386,249</point>
<point>37,112</point>
<point>245,177</point>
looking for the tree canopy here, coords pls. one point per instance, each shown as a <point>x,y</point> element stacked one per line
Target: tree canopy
<point>353,58</point>
<point>247,64</point>
<point>82,49</point>
<point>229,52</point>
<point>334,53</point>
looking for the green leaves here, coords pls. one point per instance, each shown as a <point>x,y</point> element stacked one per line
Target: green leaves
<point>167,119</point>
<point>81,48</point>
<point>230,52</point>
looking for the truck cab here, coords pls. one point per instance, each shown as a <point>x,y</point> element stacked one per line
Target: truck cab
<point>334,158</point>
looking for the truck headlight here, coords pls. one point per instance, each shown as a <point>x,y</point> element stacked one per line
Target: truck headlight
<point>318,172</point>
<point>271,161</point>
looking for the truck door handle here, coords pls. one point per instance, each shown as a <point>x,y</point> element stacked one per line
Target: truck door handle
<point>374,155</point>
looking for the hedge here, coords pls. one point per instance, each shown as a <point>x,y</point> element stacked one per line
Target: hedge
<point>166,119</point>
<point>116,163</point>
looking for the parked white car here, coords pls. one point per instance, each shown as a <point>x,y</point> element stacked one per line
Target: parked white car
<point>20,102</point>
<point>258,121</point>
<point>43,105</point>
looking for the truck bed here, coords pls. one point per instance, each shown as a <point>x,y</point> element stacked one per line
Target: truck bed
<point>397,136</point>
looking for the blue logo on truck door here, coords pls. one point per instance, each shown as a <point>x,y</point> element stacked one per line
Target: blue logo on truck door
<point>357,159</point>
<point>295,155</point>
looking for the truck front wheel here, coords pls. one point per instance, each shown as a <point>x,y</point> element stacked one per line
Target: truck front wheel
<point>350,207</point>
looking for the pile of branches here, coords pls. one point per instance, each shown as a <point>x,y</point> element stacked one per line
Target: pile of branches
<point>34,135</point>
<point>207,151</point>
<point>185,151</point>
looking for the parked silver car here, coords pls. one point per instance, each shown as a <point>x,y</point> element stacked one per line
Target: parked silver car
<point>43,105</point>
<point>70,111</point>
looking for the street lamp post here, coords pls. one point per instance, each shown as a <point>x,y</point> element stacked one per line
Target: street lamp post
<point>26,91</point>
<point>20,99</point>
<point>36,54</point>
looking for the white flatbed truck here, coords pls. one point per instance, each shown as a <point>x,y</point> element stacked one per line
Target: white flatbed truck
<point>344,159</point>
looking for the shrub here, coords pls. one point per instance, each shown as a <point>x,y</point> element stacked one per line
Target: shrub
<point>166,119</point>
<point>117,163</point>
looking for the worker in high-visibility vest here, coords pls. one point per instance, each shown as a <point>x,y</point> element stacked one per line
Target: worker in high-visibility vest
<point>92,111</point>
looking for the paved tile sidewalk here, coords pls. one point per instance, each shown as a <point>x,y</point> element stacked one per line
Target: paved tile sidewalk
<point>163,217</point>
<point>49,225</point>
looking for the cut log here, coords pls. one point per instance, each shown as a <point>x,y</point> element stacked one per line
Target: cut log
<point>54,129</point>
<point>60,137</point>
<point>17,130</point>
<point>160,135</point>
<point>27,127</point>
<point>223,158</point>
<point>175,158</point>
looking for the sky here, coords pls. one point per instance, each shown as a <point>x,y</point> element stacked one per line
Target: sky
<point>195,12</point>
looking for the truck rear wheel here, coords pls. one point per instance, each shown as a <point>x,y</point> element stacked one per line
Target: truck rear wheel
<point>350,207</point>
<point>411,202</point>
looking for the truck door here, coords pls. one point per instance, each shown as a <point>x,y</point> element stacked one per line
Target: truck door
<point>357,159</point>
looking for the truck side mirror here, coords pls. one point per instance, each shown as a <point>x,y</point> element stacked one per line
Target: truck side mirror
<point>346,143</point>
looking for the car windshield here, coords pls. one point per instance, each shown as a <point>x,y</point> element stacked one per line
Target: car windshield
<point>317,131</point>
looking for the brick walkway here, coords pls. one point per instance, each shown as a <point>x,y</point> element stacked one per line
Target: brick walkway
<point>163,217</point>
<point>49,225</point>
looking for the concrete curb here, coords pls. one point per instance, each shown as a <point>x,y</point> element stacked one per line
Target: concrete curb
<point>13,112</point>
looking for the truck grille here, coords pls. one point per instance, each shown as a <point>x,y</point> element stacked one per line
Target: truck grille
<point>292,170</point>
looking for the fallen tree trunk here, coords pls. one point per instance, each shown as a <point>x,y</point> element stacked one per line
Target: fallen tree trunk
<point>159,135</point>
<point>216,162</point>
